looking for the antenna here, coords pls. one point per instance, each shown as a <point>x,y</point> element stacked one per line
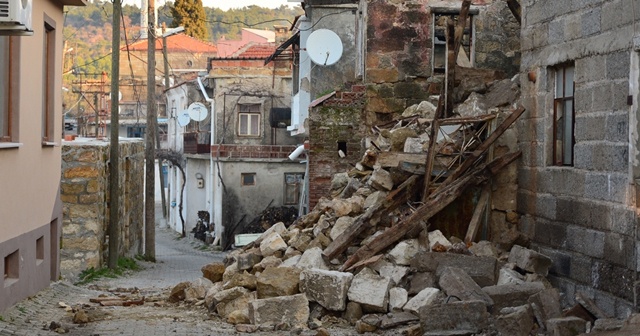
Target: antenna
<point>324,47</point>
<point>197,111</point>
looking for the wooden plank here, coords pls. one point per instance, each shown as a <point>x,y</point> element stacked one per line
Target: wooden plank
<point>436,202</point>
<point>474,224</point>
<point>369,261</point>
<point>393,159</point>
<point>394,199</point>
<point>484,146</point>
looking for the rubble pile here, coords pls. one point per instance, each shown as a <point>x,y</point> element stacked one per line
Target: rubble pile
<point>366,256</point>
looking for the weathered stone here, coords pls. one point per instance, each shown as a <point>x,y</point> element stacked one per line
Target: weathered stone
<point>512,295</point>
<point>546,305</point>
<point>455,282</point>
<point>291,262</point>
<point>320,226</point>
<point>229,272</point>
<point>420,281</point>
<point>515,321</point>
<point>413,330</point>
<point>363,327</point>
<point>508,276</point>
<point>398,136</point>
<point>484,249</point>
<point>177,292</point>
<point>397,318</point>
<point>290,253</point>
<point>270,261</point>
<point>397,298</point>
<point>314,323</point>
<point>607,324</point>
<point>328,288</point>
<point>530,260</point>
<point>247,260</point>
<point>246,328</point>
<point>370,290</point>
<point>481,269</point>
<point>213,271</point>
<point>589,305</point>
<point>374,198</point>
<point>341,224</point>
<point>272,244</point>
<point>566,326</point>
<point>80,317</point>
<point>353,312</point>
<point>190,294</point>
<point>426,297</point>
<point>463,316</point>
<point>246,280</point>
<point>209,300</point>
<point>472,107</point>
<point>239,317</point>
<point>394,273</point>
<point>312,258</point>
<point>381,179</point>
<point>293,310</point>
<point>278,281</point>
<point>322,332</point>
<point>404,252</point>
<point>201,286</point>
<point>278,228</point>
<point>230,300</point>
<point>424,110</point>
<point>339,181</point>
<point>436,237</point>
<point>351,187</point>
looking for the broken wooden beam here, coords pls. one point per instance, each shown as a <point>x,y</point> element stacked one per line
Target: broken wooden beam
<point>476,219</point>
<point>436,202</point>
<point>516,9</point>
<point>393,200</point>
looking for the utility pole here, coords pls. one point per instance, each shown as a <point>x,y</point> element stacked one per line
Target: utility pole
<point>114,159</point>
<point>152,121</point>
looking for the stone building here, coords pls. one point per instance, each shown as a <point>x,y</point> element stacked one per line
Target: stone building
<point>85,197</point>
<point>578,178</point>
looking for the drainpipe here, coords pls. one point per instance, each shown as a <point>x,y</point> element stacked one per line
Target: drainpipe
<point>210,184</point>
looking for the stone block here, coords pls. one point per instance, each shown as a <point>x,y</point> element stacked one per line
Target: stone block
<point>244,279</point>
<point>398,297</point>
<point>370,290</point>
<point>397,318</point>
<point>394,273</point>
<point>374,198</point>
<point>341,224</point>
<point>404,251</point>
<point>591,21</point>
<point>230,300</point>
<point>456,318</point>
<point>566,326</point>
<point>586,241</point>
<point>617,127</point>
<point>455,282</point>
<point>436,236</point>
<point>481,269</point>
<point>270,261</point>
<point>328,288</point>
<point>515,321</point>
<point>507,276</point>
<point>426,297</point>
<point>278,228</point>
<point>292,310</point>
<point>381,180</point>
<point>200,288</point>
<point>272,244</point>
<point>617,65</point>
<point>529,260</point>
<point>353,312</point>
<point>312,258</point>
<point>247,260</point>
<point>420,281</point>
<point>619,249</point>
<point>209,300</point>
<point>504,296</point>
<point>278,281</point>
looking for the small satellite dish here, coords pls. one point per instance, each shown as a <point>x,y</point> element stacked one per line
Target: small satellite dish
<point>119,95</point>
<point>324,47</point>
<point>184,119</point>
<point>197,111</point>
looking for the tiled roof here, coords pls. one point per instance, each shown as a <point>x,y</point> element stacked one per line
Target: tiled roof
<point>262,50</point>
<point>176,43</point>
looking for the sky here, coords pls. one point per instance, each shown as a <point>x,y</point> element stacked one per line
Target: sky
<point>227,4</point>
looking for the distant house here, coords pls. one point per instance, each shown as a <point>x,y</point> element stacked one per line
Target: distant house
<point>245,167</point>
<point>227,48</point>
<point>30,153</point>
<point>186,56</point>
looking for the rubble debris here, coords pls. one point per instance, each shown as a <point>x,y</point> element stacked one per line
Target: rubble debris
<point>530,260</point>
<point>566,326</point>
<point>465,317</point>
<point>328,288</point>
<point>292,310</point>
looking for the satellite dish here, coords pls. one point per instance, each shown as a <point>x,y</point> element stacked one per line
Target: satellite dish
<point>324,47</point>
<point>119,95</point>
<point>184,119</point>
<point>197,111</point>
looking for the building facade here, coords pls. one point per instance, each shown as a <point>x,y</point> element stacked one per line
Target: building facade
<point>30,156</point>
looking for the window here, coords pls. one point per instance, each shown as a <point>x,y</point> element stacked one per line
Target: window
<point>248,179</point>
<point>48,82</point>
<point>465,55</point>
<point>8,66</point>
<point>135,132</point>
<point>563,116</point>
<point>249,119</point>
<point>11,268</point>
<point>40,249</point>
<point>292,186</point>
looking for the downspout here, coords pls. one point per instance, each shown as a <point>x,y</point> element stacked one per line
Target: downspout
<point>210,183</point>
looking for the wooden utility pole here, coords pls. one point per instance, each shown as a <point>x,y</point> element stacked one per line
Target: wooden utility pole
<point>166,86</point>
<point>152,121</point>
<point>114,159</point>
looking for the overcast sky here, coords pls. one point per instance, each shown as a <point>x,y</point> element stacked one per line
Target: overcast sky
<point>226,4</point>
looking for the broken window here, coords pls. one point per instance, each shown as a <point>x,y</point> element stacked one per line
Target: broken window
<point>292,186</point>
<point>563,116</point>
<point>249,119</point>
<point>465,55</point>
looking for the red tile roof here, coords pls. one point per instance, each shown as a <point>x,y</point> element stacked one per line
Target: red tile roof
<point>253,50</point>
<point>176,43</point>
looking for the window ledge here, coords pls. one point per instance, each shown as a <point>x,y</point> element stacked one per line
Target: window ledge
<point>50,144</point>
<point>4,145</point>
<point>9,281</point>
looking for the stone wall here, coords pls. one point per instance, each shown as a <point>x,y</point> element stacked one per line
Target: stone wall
<point>583,216</point>
<point>85,197</point>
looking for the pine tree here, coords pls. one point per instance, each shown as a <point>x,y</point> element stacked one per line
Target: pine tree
<point>190,14</point>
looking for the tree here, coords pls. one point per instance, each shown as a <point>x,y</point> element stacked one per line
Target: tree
<point>190,14</point>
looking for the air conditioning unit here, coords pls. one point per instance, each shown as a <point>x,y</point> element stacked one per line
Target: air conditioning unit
<point>15,17</point>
